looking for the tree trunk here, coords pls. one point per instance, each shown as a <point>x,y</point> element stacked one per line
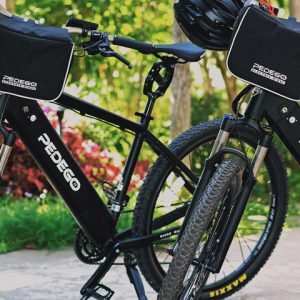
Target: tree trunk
<point>181,93</point>
<point>207,82</point>
<point>10,5</point>
<point>295,8</point>
<point>230,81</point>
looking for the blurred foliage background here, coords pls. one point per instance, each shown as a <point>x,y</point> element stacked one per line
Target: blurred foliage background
<point>110,84</point>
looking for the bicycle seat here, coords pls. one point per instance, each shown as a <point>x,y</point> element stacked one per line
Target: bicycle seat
<point>186,51</point>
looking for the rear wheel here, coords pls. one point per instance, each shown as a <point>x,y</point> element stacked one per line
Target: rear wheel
<point>163,191</point>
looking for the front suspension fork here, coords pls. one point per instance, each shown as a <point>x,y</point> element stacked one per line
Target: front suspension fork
<point>209,168</point>
<point>240,203</point>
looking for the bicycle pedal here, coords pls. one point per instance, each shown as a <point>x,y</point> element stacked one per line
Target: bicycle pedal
<point>100,292</point>
<point>103,289</point>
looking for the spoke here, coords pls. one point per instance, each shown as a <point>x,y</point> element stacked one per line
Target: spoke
<point>163,258</point>
<point>252,206</point>
<point>166,257</point>
<point>190,159</point>
<point>250,240</point>
<point>229,263</point>
<point>165,261</point>
<point>162,242</point>
<point>250,228</point>
<point>242,252</point>
<point>162,252</point>
<point>245,241</point>
<point>174,204</point>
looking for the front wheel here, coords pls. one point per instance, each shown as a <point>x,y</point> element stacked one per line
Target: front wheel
<point>164,191</point>
<point>185,280</point>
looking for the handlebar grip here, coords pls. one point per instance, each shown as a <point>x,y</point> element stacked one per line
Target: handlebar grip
<point>143,47</point>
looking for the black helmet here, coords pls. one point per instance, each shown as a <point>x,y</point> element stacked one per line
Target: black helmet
<point>208,23</point>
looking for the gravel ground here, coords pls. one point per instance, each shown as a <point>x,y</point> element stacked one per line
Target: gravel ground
<point>45,275</point>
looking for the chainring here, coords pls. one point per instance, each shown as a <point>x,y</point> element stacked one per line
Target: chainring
<point>87,251</point>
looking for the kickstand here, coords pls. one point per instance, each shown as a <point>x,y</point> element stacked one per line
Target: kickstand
<point>134,275</point>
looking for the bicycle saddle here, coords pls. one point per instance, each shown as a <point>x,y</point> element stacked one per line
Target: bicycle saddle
<point>186,51</point>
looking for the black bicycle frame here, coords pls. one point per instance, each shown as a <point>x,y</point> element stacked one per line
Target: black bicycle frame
<point>28,120</point>
<point>283,116</point>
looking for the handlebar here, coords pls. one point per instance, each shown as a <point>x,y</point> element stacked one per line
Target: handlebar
<point>100,44</point>
<point>142,47</point>
<point>145,48</point>
<point>163,80</point>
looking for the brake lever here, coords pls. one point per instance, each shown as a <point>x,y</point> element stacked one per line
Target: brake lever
<point>122,59</point>
<point>106,51</point>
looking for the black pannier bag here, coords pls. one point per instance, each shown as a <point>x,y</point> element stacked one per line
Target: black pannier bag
<point>265,52</point>
<point>34,59</point>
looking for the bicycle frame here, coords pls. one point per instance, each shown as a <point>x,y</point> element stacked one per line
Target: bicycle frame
<point>27,119</point>
<point>98,222</point>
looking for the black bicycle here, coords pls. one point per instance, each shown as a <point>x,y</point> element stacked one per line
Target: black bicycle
<point>168,188</point>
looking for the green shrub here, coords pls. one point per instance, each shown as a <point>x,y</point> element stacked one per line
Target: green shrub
<point>35,224</point>
<point>41,224</point>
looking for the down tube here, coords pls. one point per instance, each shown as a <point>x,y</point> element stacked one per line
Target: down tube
<point>47,149</point>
